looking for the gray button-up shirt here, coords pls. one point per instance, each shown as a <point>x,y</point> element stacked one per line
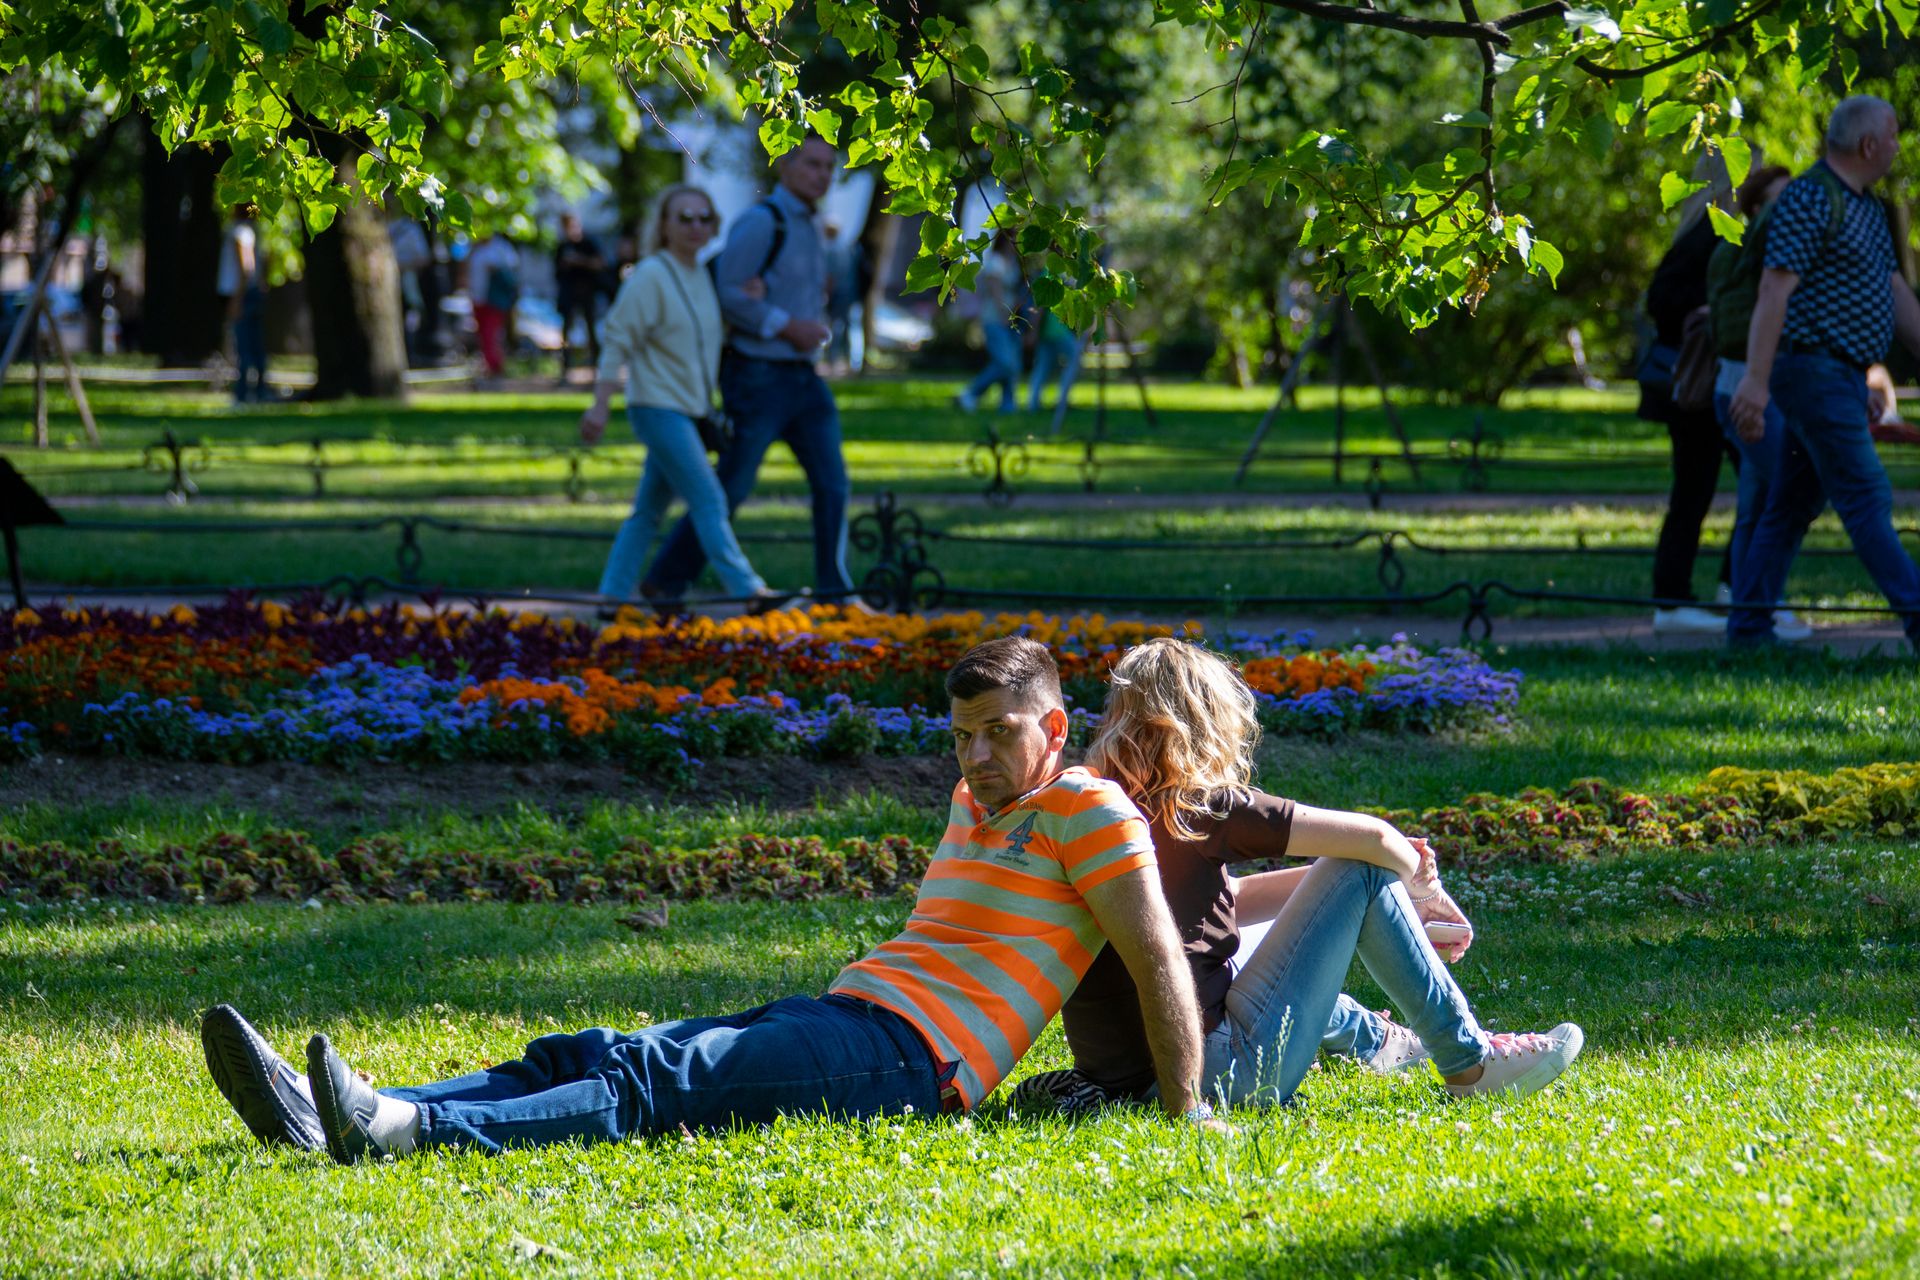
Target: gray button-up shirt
<point>796,280</point>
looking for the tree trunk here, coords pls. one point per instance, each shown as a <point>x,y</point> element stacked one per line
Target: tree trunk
<point>353,292</point>
<point>181,318</point>
<point>1277,354</point>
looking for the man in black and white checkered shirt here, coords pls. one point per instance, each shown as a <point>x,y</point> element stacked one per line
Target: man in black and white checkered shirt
<point>1831,300</point>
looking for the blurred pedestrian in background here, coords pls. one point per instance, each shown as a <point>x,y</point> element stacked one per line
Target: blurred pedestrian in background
<point>240,280</point>
<point>1677,292</point>
<point>998,289</point>
<point>579,269</point>
<point>413,259</point>
<point>662,342</point>
<point>847,279</point>
<point>493,287</point>
<point>1055,347</point>
<point>772,280</point>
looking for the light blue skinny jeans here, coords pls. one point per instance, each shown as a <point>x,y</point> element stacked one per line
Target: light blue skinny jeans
<point>1003,364</point>
<point>1051,353</point>
<point>676,464</point>
<point>1260,1053</point>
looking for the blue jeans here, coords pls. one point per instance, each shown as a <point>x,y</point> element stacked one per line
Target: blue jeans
<point>772,400</point>
<point>1759,466</point>
<point>1003,365</point>
<point>1063,352</point>
<point>1824,405</point>
<point>250,347</point>
<point>1341,908</point>
<point>676,463</point>
<point>832,1055</point>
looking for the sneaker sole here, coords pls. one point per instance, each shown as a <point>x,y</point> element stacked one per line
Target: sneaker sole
<point>1542,1073</point>
<point>232,1059</point>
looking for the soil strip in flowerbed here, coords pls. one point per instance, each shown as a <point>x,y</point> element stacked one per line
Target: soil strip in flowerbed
<point>380,794</point>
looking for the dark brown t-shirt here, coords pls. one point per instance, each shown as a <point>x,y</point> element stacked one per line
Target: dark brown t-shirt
<point>1102,1016</point>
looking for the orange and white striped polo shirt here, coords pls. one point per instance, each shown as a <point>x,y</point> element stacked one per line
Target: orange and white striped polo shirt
<point>1001,934</point>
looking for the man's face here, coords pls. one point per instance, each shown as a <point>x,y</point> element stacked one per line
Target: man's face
<point>808,171</point>
<point>1882,147</point>
<point>1006,747</point>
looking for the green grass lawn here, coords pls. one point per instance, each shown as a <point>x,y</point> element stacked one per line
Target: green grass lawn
<point>990,549</point>
<point>901,435</point>
<point>1744,1108</point>
<point>1746,1105</point>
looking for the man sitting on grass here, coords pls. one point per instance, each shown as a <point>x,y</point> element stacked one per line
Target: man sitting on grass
<point>1038,866</point>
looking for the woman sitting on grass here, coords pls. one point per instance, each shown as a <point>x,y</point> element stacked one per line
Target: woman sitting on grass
<point>1178,734</point>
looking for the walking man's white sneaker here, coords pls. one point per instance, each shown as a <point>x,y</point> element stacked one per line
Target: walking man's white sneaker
<point>1686,618</point>
<point>1788,627</point>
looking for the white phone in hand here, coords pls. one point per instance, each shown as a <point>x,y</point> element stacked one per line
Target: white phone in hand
<point>1444,933</point>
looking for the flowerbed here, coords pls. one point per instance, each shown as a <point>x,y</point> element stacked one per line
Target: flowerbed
<point>322,681</point>
<point>1732,807</point>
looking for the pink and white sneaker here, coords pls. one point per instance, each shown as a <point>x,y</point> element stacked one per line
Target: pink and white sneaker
<point>1520,1063</point>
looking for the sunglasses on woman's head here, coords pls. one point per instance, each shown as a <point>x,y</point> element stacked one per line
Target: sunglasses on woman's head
<point>699,219</point>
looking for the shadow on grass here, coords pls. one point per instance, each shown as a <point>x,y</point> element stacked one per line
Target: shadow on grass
<point>1527,1240</point>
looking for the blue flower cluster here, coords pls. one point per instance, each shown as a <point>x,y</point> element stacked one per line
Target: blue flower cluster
<point>1413,690</point>
<point>363,708</point>
<point>355,708</point>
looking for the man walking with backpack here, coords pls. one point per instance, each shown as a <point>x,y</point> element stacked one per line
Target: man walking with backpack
<point>772,280</point>
<point>1830,301</point>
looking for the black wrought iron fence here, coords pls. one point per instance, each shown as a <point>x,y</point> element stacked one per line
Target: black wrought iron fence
<point>905,576</point>
<point>1001,463</point>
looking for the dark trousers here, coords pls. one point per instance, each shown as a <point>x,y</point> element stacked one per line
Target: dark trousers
<point>1824,403</point>
<point>571,305</point>
<point>1698,448</point>
<point>771,400</point>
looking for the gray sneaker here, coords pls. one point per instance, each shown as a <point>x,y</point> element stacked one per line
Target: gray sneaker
<point>1402,1050</point>
<point>1526,1062</point>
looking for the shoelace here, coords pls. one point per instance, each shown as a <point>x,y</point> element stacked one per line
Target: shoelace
<point>1507,1044</point>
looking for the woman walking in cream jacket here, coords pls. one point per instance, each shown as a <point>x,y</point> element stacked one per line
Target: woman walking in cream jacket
<point>661,340</point>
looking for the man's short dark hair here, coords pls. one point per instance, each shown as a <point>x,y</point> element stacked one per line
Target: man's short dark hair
<point>1023,667</point>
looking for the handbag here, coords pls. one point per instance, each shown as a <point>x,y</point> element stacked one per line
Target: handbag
<point>715,427</point>
<point>1694,370</point>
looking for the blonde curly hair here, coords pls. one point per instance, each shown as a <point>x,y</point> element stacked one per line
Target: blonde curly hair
<point>1178,733</point>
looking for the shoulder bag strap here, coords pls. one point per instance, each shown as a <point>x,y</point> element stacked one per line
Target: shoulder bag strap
<point>699,338</point>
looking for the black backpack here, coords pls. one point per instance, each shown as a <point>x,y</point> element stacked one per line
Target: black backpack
<point>774,246</point>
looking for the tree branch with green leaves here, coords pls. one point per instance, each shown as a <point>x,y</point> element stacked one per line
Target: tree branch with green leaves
<point>1412,233</point>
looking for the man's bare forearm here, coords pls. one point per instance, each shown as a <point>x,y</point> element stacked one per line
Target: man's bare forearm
<point>1172,1018</point>
<point>1132,912</point>
<point>1769,318</point>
